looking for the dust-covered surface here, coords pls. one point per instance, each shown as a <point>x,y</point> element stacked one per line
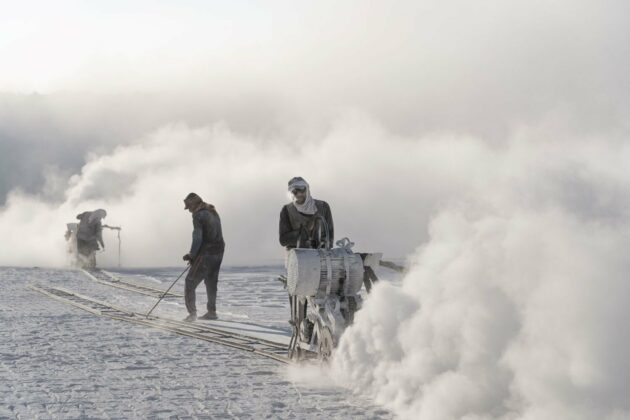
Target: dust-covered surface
<point>58,361</point>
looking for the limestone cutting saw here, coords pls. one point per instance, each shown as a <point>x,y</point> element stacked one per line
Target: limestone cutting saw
<point>324,286</point>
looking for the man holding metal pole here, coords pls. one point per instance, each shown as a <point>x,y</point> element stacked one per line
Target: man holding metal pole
<point>205,256</point>
<point>89,236</point>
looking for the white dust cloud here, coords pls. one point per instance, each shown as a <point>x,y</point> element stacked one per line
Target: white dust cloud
<point>515,307</point>
<point>142,187</point>
<point>491,135</point>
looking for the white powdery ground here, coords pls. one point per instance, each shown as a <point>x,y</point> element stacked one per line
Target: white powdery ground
<point>61,362</point>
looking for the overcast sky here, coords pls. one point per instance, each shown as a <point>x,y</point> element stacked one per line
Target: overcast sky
<point>83,83</point>
<point>487,140</point>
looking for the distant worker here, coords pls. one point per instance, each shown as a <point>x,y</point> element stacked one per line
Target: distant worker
<point>71,246</point>
<point>205,256</point>
<point>90,236</point>
<point>305,221</point>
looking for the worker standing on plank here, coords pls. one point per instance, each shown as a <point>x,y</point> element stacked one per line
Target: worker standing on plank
<point>205,256</point>
<point>90,236</point>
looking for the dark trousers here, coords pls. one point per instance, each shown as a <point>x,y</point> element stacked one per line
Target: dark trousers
<point>87,253</point>
<point>205,267</point>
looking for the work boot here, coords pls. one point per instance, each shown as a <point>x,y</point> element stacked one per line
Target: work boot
<point>191,318</point>
<point>209,316</point>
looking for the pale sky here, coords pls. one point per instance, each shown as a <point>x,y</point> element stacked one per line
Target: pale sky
<point>50,46</point>
<point>390,83</point>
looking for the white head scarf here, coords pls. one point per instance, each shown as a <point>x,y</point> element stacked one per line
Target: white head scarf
<point>308,206</point>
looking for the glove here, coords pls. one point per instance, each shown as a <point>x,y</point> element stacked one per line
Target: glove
<point>188,258</point>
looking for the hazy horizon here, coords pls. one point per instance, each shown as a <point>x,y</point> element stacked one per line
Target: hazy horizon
<point>486,142</point>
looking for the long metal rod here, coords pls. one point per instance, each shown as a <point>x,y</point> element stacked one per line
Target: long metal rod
<point>393,266</point>
<point>117,228</point>
<point>167,290</point>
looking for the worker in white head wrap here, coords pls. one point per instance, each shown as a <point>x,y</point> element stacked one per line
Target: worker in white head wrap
<point>300,219</point>
<point>301,196</point>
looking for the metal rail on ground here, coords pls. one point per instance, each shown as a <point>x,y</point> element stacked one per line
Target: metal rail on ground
<point>269,349</point>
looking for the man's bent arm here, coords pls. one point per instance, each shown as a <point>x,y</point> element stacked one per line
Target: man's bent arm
<point>197,237</point>
<point>99,234</point>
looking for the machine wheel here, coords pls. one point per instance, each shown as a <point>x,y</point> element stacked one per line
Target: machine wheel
<point>326,344</point>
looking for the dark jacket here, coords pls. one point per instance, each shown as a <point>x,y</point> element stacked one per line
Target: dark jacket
<point>295,225</point>
<point>207,236</point>
<point>90,232</point>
